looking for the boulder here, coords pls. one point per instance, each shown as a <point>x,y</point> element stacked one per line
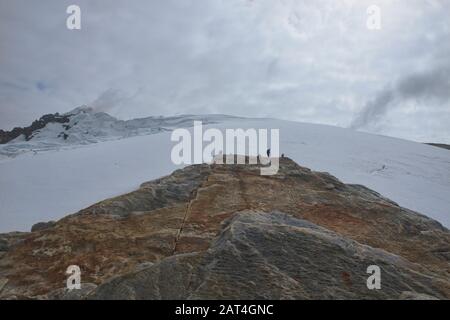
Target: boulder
<point>42,226</point>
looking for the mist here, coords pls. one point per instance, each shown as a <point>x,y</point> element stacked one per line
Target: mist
<point>432,86</point>
<point>111,100</point>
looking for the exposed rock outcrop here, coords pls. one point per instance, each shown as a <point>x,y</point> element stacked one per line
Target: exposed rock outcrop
<point>272,256</point>
<point>71,294</point>
<point>42,226</point>
<point>6,136</point>
<point>225,231</point>
<point>440,145</point>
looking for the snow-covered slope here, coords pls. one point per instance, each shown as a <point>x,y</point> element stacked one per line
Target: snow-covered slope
<point>51,184</point>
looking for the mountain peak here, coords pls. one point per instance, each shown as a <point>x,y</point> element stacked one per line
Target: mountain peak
<point>80,109</point>
<point>84,125</point>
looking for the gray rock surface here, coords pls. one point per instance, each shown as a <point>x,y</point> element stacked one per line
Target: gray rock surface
<point>74,294</point>
<point>273,256</point>
<point>167,191</point>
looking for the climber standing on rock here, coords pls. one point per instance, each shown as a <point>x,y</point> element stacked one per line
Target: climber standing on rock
<point>268,153</point>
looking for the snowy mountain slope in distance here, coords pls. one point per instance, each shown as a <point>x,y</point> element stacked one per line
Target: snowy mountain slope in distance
<point>49,185</point>
<point>87,126</point>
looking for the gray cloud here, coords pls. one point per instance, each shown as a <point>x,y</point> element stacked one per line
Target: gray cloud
<point>308,60</point>
<point>374,109</point>
<point>431,86</point>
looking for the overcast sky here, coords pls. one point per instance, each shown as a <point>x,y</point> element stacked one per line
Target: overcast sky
<point>312,61</point>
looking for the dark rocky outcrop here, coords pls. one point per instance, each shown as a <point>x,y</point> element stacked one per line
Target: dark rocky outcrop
<point>42,226</point>
<point>3,245</point>
<point>440,145</point>
<point>6,136</point>
<point>225,231</point>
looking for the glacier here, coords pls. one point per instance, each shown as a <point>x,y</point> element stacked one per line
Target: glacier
<point>47,178</point>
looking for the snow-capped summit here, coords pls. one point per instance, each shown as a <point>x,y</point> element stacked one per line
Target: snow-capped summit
<point>83,125</point>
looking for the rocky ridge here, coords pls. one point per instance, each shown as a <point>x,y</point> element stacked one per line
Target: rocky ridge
<point>224,231</point>
<point>27,132</point>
